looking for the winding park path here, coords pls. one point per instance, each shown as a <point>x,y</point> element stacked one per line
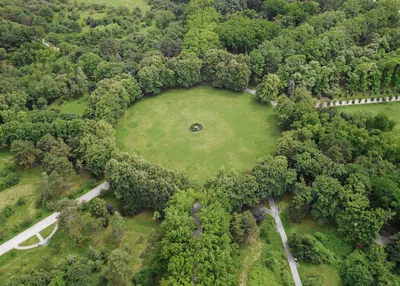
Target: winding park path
<point>279,227</point>
<point>41,225</point>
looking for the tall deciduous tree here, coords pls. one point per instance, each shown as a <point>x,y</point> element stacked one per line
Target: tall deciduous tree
<point>243,227</point>
<point>117,226</point>
<point>201,252</point>
<point>329,194</point>
<point>26,154</point>
<point>154,75</point>
<point>273,176</point>
<point>118,271</point>
<point>268,90</point>
<point>186,69</point>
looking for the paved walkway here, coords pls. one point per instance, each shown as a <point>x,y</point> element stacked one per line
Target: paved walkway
<point>383,240</point>
<point>337,102</point>
<point>281,230</point>
<point>252,91</point>
<point>35,229</point>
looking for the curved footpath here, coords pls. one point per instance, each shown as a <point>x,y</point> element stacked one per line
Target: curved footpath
<point>48,221</point>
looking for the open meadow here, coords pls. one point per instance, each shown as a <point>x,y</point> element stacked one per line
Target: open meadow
<point>237,130</point>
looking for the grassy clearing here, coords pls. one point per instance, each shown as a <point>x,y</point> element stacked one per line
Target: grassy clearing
<point>5,157</point>
<point>329,274</point>
<point>137,233</point>
<point>30,241</point>
<point>27,187</point>
<point>116,3</point>
<point>89,13</point>
<point>248,255</point>
<point>75,106</point>
<point>82,19</point>
<point>46,232</point>
<point>237,130</point>
<point>272,267</point>
<point>390,108</point>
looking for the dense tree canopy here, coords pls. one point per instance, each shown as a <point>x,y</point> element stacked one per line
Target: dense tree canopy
<point>188,251</point>
<point>342,168</point>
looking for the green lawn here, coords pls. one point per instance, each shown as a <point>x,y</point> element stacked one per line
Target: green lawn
<point>392,109</point>
<point>128,3</point>
<point>75,105</point>
<point>237,130</point>
<point>5,157</point>
<point>30,241</point>
<point>271,266</point>
<point>136,235</point>
<point>46,232</point>
<point>329,274</point>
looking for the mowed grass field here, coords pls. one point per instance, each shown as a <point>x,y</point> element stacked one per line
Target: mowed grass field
<point>237,130</point>
<point>116,3</point>
<point>392,109</point>
<point>77,105</point>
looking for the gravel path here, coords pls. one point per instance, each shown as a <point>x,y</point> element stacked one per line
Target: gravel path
<point>35,229</point>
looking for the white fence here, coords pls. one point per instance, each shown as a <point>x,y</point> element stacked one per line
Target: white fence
<point>328,103</point>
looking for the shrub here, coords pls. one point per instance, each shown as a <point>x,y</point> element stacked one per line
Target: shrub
<point>15,227</point>
<point>21,201</point>
<point>320,236</point>
<point>265,230</point>
<point>243,227</point>
<point>5,171</point>
<point>8,211</point>
<point>272,262</point>
<point>39,201</point>
<point>26,222</point>
<point>78,238</point>
<point>3,219</point>
<point>9,180</point>
<point>2,235</point>
<point>308,248</point>
<point>95,225</point>
<point>51,206</point>
<point>39,214</point>
<point>97,208</point>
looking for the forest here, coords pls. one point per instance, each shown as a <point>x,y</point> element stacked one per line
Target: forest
<point>338,168</point>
